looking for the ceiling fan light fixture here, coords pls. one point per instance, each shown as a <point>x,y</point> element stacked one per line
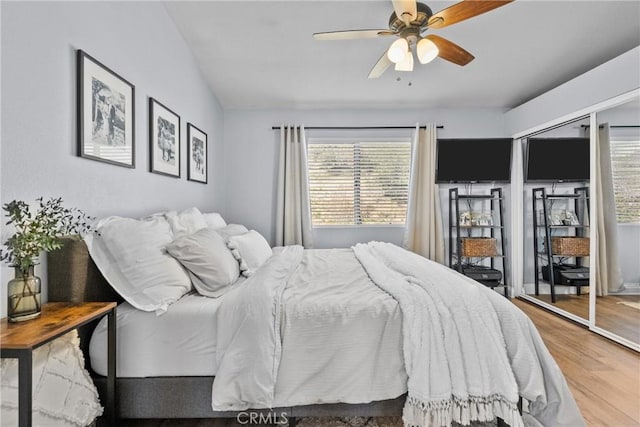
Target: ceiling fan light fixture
<point>426,50</point>
<point>406,64</point>
<point>398,50</point>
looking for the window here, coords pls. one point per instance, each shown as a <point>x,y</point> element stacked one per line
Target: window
<point>359,183</point>
<point>625,166</point>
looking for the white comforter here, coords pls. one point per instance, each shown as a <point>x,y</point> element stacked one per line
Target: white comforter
<point>291,337</point>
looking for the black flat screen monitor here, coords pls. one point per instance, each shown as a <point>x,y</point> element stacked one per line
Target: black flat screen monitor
<point>557,160</point>
<point>474,160</point>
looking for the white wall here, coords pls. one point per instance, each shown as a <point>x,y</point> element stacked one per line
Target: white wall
<point>251,157</point>
<point>613,78</point>
<point>140,42</point>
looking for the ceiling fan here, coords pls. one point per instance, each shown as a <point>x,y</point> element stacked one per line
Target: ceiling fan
<point>408,22</point>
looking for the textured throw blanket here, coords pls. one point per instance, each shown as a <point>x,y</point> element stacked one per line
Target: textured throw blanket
<point>63,393</point>
<point>455,353</point>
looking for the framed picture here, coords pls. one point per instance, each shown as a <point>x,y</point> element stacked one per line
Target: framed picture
<point>164,140</point>
<point>465,219</point>
<point>106,119</point>
<point>556,217</point>
<point>571,218</point>
<point>474,219</point>
<point>197,167</point>
<point>485,219</point>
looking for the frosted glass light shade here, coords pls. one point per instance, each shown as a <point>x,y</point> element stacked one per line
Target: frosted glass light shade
<point>406,64</point>
<point>426,51</point>
<point>398,50</point>
<point>406,10</point>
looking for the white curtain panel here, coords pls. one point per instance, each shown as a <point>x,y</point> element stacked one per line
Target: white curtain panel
<point>424,234</point>
<point>293,216</point>
<point>608,273</point>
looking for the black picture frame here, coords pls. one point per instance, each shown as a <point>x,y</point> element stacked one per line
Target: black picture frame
<point>164,140</point>
<point>105,113</point>
<point>197,155</point>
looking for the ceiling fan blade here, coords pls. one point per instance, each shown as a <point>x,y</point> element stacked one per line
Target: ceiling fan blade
<point>352,34</point>
<point>380,67</point>
<point>450,51</point>
<point>406,10</point>
<point>463,10</point>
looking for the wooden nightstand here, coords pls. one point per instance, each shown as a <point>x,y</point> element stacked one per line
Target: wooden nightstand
<point>18,340</point>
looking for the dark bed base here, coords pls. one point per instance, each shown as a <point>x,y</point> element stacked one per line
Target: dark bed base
<point>73,276</point>
<point>190,397</point>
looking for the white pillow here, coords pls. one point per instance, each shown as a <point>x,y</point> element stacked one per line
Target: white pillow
<point>186,222</point>
<point>214,220</point>
<point>205,255</point>
<point>251,250</point>
<point>231,230</point>
<point>131,256</point>
<point>161,215</point>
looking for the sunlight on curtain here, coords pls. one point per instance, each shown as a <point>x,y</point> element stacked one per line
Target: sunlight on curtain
<point>293,216</point>
<point>424,233</point>
<point>608,274</point>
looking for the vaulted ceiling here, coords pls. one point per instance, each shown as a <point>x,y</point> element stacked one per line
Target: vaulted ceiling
<point>261,54</point>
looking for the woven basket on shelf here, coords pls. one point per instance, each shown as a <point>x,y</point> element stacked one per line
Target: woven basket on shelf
<point>479,246</point>
<point>570,246</point>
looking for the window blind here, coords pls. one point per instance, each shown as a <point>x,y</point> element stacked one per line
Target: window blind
<point>359,183</point>
<point>625,166</point>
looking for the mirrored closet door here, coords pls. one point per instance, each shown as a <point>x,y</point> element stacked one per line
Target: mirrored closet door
<point>617,259</point>
<point>556,207</point>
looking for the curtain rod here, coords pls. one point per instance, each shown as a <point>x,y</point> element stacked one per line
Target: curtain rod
<point>359,127</point>
<point>616,126</point>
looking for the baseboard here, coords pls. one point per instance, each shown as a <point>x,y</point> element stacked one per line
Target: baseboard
<point>628,289</point>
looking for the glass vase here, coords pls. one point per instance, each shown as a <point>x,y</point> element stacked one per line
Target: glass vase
<point>24,296</point>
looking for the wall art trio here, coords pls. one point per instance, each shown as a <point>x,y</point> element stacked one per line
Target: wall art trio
<point>106,125</point>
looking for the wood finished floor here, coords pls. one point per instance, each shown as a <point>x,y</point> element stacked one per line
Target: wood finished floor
<point>603,376</point>
<point>618,318</point>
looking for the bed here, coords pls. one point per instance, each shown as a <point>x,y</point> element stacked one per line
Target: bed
<point>303,329</point>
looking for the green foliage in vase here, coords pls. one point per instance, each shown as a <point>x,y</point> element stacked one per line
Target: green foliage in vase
<point>39,231</point>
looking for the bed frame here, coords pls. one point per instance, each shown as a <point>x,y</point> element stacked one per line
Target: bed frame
<point>73,276</point>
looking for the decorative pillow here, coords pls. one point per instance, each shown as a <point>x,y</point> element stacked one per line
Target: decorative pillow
<point>130,254</point>
<point>214,220</point>
<point>231,230</point>
<point>205,255</point>
<point>186,222</point>
<point>251,250</point>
